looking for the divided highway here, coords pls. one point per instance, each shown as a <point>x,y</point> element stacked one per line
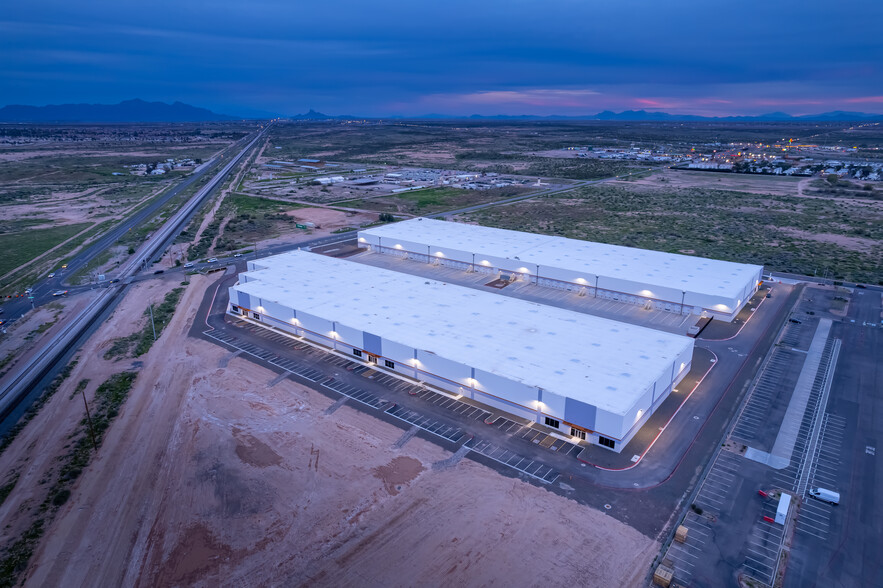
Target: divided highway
<point>21,383</point>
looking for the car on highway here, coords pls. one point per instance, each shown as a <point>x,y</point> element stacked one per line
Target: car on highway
<point>60,293</point>
<point>157,272</point>
<point>52,275</point>
<point>212,260</point>
<point>189,264</point>
<point>238,255</point>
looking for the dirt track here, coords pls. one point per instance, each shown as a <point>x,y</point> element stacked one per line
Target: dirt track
<point>209,477</point>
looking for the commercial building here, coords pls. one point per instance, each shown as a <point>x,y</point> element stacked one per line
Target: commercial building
<point>585,376</point>
<point>664,281</point>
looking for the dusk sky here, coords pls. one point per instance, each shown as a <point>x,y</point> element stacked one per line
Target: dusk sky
<point>455,57</point>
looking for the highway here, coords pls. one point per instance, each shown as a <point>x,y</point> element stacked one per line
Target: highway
<point>46,360</point>
<point>42,291</point>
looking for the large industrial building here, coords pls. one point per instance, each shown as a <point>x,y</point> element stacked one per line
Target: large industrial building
<point>585,376</point>
<point>665,281</point>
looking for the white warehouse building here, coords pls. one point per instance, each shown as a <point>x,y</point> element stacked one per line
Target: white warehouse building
<point>585,376</point>
<point>666,281</point>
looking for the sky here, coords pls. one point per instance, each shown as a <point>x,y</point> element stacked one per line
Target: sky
<point>384,58</point>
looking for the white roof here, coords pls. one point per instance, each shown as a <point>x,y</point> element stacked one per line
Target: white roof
<point>653,268</point>
<point>595,360</point>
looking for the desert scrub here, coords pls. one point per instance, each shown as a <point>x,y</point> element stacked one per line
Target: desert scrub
<point>140,342</point>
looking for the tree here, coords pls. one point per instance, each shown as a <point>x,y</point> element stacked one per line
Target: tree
<point>833,179</point>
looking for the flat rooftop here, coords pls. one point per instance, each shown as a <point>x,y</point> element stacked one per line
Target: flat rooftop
<point>683,272</point>
<point>597,361</point>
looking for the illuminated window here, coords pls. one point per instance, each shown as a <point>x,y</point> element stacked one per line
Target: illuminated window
<point>389,364</point>
<point>606,442</point>
<point>578,433</point>
<point>552,422</point>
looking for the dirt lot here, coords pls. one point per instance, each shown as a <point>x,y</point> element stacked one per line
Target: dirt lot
<point>210,476</point>
<point>755,184</point>
<point>327,221</point>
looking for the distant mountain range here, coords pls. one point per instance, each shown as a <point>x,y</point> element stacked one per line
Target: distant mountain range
<point>141,111</point>
<point>126,111</point>
<point>643,115</point>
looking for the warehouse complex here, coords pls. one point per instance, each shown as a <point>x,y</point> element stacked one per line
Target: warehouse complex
<point>664,281</point>
<point>585,376</point>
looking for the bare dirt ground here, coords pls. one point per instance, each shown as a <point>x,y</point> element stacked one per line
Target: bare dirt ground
<point>327,221</point>
<point>330,218</point>
<point>33,455</point>
<point>845,241</point>
<point>720,181</point>
<point>210,476</point>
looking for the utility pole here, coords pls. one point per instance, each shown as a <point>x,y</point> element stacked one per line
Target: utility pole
<point>89,419</point>
<point>152,324</point>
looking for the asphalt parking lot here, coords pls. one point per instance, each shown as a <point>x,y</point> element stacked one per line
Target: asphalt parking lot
<point>834,447</point>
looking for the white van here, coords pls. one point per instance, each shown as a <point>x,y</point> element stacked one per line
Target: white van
<point>824,495</point>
